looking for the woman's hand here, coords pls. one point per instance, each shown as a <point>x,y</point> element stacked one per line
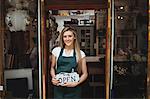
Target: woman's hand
<point>55,82</point>
<point>70,84</point>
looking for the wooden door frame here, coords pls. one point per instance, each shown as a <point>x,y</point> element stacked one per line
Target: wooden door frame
<point>43,42</point>
<point>148,64</point>
<point>2,22</point>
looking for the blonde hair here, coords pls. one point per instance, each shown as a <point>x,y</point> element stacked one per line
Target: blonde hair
<point>76,44</point>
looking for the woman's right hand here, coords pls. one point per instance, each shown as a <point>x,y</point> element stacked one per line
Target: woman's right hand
<point>55,82</point>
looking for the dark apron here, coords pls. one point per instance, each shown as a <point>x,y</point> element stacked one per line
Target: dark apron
<point>66,64</point>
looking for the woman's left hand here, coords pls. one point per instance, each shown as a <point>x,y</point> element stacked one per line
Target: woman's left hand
<point>70,84</point>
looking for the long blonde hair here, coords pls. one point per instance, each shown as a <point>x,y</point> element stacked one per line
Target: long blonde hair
<point>76,44</point>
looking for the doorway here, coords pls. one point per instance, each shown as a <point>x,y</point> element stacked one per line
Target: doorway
<point>90,20</point>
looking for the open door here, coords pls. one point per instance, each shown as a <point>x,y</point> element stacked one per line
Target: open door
<point>93,18</point>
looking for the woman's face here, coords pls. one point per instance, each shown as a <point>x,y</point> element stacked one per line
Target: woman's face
<point>68,38</point>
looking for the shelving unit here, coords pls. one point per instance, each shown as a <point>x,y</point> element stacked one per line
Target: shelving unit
<point>86,38</point>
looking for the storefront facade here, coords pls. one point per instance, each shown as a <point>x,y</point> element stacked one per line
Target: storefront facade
<point>111,34</point>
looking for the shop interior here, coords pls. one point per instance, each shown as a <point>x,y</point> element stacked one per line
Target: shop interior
<point>91,36</point>
<point>130,54</point>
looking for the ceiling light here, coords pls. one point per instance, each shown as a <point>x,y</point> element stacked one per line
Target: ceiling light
<point>121,7</point>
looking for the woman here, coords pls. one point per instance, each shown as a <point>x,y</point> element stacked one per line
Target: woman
<point>65,58</point>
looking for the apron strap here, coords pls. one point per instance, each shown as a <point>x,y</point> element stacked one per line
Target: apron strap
<point>61,51</point>
<point>74,54</point>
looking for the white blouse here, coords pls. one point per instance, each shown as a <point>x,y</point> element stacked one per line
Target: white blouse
<point>56,52</point>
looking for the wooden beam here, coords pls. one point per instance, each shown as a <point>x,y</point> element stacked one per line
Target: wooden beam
<point>108,55</point>
<point>148,69</point>
<point>44,50</point>
<point>76,4</point>
<point>1,45</point>
<point>148,65</point>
